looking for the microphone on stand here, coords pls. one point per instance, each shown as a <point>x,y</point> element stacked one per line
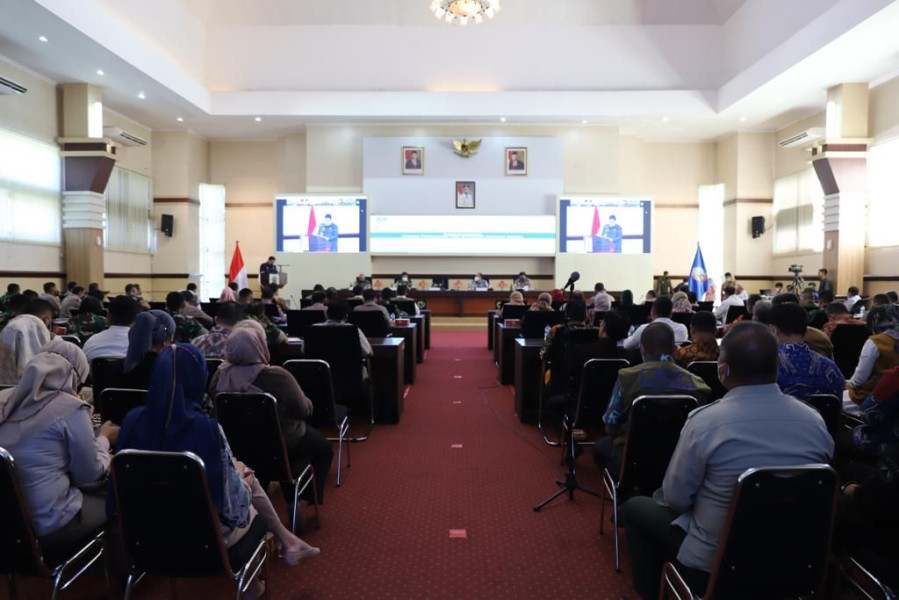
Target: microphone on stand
<point>571,280</point>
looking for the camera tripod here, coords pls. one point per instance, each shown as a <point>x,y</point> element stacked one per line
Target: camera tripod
<point>570,484</point>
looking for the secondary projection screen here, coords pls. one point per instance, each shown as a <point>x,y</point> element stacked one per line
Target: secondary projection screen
<point>321,223</point>
<point>463,235</point>
<point>610,225</point>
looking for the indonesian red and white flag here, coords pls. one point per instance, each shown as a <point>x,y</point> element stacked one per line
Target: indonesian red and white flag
<point>238,271</point>
<point>595,230</point>
<point>311,227</point>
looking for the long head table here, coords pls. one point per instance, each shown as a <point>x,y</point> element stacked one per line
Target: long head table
<point>458,304</point>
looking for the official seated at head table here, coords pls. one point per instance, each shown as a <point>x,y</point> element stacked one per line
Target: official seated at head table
<point>479,282</point>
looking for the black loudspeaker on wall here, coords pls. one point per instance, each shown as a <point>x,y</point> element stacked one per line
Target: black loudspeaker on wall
<point>758,226</point>
<point>168,225</point>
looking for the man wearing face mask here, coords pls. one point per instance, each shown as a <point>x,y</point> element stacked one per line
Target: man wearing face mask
<point>658,374</point>
<point>753,425</point>
<point>479,283</point>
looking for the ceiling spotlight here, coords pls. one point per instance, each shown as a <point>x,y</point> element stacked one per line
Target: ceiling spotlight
<point>180,119</point>
<point>502,119</point>
<point>258,119</point>
<point>664,119</point>
<point>100,72</point>
<point>584,122</point>
<point>462,12</point>
<point>742,118</point>
<point>43,38</point>
<point>141,95</point>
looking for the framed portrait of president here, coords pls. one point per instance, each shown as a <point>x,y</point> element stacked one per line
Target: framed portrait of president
<point>465,197</point>
<point>413,160</point>
<point>516,161</point>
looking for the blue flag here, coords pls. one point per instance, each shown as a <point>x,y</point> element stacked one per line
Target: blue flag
<point>699,278</point>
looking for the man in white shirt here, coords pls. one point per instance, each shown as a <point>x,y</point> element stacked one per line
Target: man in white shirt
<point>753,425</point>
<point>730,299</point>
<point>601,301</point>
<point>741,293</point>
<point>370,303</point>
<point>401,295</point>
<point>51,295</point>
<point>113,342</point>
<point>71,303</point>
<point>660,313</point>
<point>852,297</point>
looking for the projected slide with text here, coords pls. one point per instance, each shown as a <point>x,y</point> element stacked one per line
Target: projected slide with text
<point>463,235</point>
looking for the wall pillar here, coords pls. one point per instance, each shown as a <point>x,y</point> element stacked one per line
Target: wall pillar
<point>88,159</point>
<point>841,165</point>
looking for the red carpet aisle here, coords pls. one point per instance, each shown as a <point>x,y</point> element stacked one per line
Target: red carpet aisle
<point>386,531</point>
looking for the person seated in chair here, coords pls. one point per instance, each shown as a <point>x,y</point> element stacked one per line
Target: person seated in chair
<point>246,369</point>
<point>680,302</point>
<point>370,303</point>
<point>337,316</point>
<point>479,282</point>
<point>659,313</point>
<point>274,335</point>
<point>89,319</point>
<point>730,299</point>
<point>753,425</point>
<point>837,315</point>
<point>852,297</point>
<point>268,298</point>
<point>816,339</point>
<point>245,297</point>
<point>172,421</point>
<point>68,308</point>
<point>704,346</point>
<point>544,303</point>
<point>879,354</point>
<point>515,299</point>
<point>801,371</point>
<point>153,330</point>
<point>601,300</point>
<point>401,291</point>
<point>186,327</point>
<point>22,338</point>
<point>318,301</point>
<point>212,344</point>
<point>192,309</point>
<point>522,282</point>
<point>658,374</point>
<point>113,342</point>
<point>48,431</point>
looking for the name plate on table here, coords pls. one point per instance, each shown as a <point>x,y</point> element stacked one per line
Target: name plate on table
<point>401,322</point>
<point>512,322</point>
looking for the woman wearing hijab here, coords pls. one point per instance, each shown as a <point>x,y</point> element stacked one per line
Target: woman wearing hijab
<point>681,303</point>
<point>172,421</point>
<point>544,302</point>
<point>152,331</point>
<point>21,339</point>
<point>246,369</point>
<point>49,433</point>
<point>229,293</point>
<point>516,298</point>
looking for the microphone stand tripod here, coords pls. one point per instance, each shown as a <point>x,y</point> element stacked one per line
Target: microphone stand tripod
<point>570,484</point>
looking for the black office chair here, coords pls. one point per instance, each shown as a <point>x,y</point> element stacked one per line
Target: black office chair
<point>776,537</point>
<point>597,380</point>
<point>863,582</point>
<point>831,409</point>
<point>847,342</point>
<point>707,370</point>
<point>169,525</point>
<point>654,427</point>
<point>106,372</point>
<point>513,311</point>
<point>353,303</point>
<point>534,322</point>
<point>734,312</point>
<point>564,372</point>
<point>208,308</point>
<point>638,314</point>
<point>212,367</point>
<point>705,306</point>
<point>406,306</point>
<point>299,321</point>
<point>683,318</point>
<point>314,376</point>
<point>114,404</point>
<point>21,552</point>
<point>251,424</point>
<point>371,322</point>
<point>272,311</point>
<point>599,316</point>
<point>819,320</point>
<point>338,346</point>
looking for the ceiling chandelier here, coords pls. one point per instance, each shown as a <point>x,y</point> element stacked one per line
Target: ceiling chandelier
<point>465,11</point>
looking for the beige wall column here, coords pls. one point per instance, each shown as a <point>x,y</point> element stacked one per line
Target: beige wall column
<point>746,168</point>
<point>841,165</point>
<point>88,161</point>
<point>180,165</point>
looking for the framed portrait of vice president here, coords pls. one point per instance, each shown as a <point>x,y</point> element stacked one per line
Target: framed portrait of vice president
<point>413,160</point>
<point>516,160</point>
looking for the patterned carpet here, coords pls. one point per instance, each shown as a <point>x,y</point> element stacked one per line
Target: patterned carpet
<point>440,506</point>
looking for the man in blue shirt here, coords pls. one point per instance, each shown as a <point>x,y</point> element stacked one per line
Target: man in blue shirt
<point>802,371</point>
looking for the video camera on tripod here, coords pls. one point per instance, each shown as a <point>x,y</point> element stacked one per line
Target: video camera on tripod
<point>798,281</point>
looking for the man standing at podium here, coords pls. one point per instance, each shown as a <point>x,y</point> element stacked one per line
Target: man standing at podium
<point>328,230</point>
<point>265,270</point>
<point>612,231</point>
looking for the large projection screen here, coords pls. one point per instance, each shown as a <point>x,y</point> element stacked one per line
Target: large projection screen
<point>605,225</point>
<point>474,235</point>
<point>321,223</point>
